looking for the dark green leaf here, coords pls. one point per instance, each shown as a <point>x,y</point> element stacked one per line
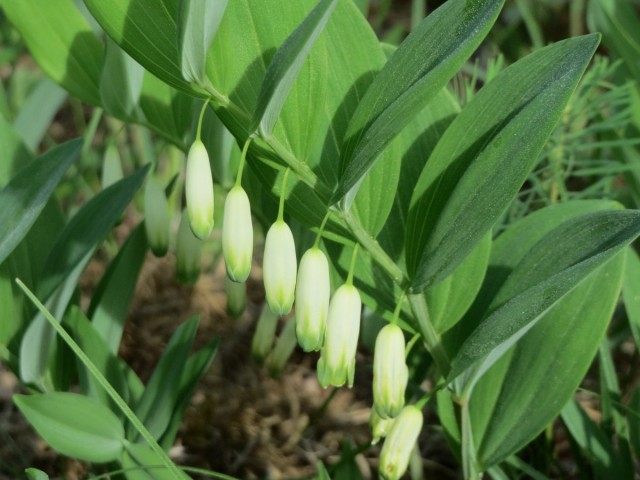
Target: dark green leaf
<point>74,425</point>
<point>416,72</point>
<point>285,66</point>
<point>631,293</point>
<point>27,193</point>
<point>486,154</point>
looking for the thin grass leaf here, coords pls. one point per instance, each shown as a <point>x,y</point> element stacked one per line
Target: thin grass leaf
<point>285,65</point>
<point>27,193</point>
<point>415,73</point>
<point>198,23</point>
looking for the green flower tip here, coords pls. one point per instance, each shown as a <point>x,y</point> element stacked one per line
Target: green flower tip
<point>156,217</point>
<point>336,365</point>
<point>237,235</point>
<point>312,299</point>
<point>390,372</point>
<point>394,458</point>
<point>279,268</point>
<point>199,191</point>
<point>379,426</point>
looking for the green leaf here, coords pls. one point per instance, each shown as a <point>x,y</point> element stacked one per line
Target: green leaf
<point>87,229</point>
<point>37,112</point>
<point>486,154</point>
<point>417,71</point>
<point>285,66</point>
<point>74,425</point>
<point>198,24</point>
<point>555,265</point>
<point>61,42</point>
<point>115,370</point>
<point>111,299</point>
<point>142,463</point>
<point>158,402</point>
<point>35,474</point>
<point>594,443</point>
<point>14,151</point>
<point>631,293</point>
<point>147,30</point>
<point>121,82</point>
<point>27,193</point>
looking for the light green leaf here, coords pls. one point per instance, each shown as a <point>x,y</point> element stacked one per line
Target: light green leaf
<point>121,82</point>
<point>142,463</point>
<point>111,299</point>
<point>416,72</point>
<point>27,193</point>
<point>285,66</point>
<point>198,23</point>
<point>37,112</point>
<point>62,42</point>
<point>74,425</point>
<point>158,402</point>
<point>555,265</point>
<point>486,154</point>
<point>35,474</point>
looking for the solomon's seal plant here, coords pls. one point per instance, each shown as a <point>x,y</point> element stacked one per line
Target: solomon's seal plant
<point>400,441</point>
<point>390,372</point>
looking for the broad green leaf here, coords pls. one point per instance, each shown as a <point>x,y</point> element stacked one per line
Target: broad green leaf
<point>62,42</point>
<point>631,293</point>
<point>142,463</point>
<point>120,82</point>
<point>285,66</point>
<point>87,229</point>
<point>420,67</point>
<point>147,30</point>
<point>594,443</point>
<point>486,154</point>
<point>111,299</point>
<point>554,266</point>
<point>74,425</point>
<point>158,402</point>
<point>198,23</point>
<point>37,112</point>
<point>196,366</point>
<point>27,193</point>
<point>115,370</point>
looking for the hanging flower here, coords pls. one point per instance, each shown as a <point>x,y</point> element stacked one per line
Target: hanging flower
<point>156,217</point>
<point>390,372</point>
<point>337,362</point>
<point>237,235</point>
<point>312,299</point>
<point>394,458</point>
<point>279,268</point>
<point>199,191</point>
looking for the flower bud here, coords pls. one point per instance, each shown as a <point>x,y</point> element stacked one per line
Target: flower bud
<point>156,217</point>
<point>265,334</point>
<point>394,458</point>
<point>199,191</point>
<point>379,426</point>
<point>237,235</point>
<point>337,362</point>
<point>312,299</point>
<point>236,297</point>
<point>390,372</point>
<point>111,166</point>
<point>279,268</point>
<point>188,248</point>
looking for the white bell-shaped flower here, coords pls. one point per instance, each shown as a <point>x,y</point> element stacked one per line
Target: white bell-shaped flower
<point>390,372</point>
<point>237,235</point>
<point>396,451</point>
<point>279,268</point>
<point>312,299</point>
<point>156,217</point>
<point>199,191</point>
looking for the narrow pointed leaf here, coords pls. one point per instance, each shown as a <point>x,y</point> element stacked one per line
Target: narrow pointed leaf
<point>631,293</point>
<point>74,425</point>
<point>197,24</point>
<point>486,154</point>
<point>285,65</point>
<point>557,264</point>
<point>27,193</point>
<point>417,71</point>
